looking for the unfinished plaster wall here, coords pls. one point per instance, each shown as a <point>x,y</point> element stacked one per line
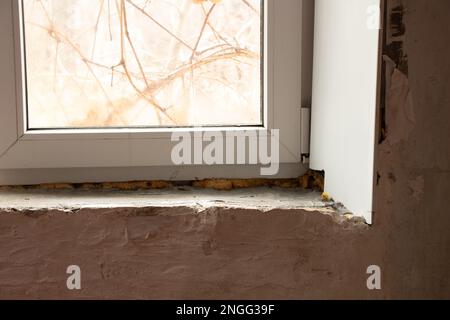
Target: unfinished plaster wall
<point>234,253</point>
<point>414,158</point>
<point>182,253</point>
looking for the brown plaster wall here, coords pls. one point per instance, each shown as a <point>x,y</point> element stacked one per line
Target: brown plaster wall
<point>230,253</point>
<point>414,159</point>
<point>181,253</point>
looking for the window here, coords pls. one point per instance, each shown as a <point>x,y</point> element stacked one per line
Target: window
<point>55,81</point>
<point>93,90</point>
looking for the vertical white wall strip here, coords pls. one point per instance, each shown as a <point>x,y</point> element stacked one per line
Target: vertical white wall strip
<point>344,99</point>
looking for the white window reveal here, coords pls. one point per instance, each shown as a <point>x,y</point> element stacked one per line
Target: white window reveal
<point>346,62</point>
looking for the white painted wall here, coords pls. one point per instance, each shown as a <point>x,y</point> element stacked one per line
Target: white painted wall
<point>344,101</point>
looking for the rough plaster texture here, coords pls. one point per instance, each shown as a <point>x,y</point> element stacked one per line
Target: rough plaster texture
<point>181,252</point>
<point>248,253</point>
<point>412,214</point>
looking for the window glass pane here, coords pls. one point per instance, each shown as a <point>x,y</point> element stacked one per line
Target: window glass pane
<point>131,63</point>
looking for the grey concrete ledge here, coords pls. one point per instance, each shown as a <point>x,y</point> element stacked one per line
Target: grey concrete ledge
<point>187,199</point>
<point>264,199</point>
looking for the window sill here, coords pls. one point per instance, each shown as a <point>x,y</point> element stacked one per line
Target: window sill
<point>263,199</point>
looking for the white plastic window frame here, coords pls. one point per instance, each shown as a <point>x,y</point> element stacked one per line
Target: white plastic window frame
<point>72,150</point>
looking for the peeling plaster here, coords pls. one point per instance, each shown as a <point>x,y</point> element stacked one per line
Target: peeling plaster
<point>400,116</point>
<point>417,187</point>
